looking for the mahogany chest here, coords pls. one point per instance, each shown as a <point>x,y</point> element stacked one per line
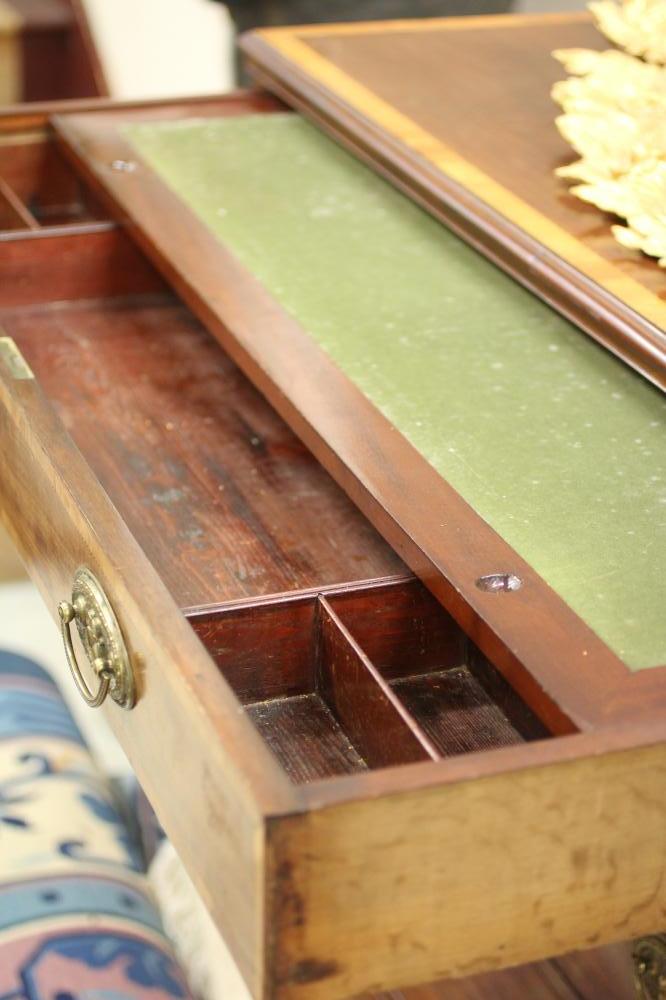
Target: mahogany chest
<point>375,780</point>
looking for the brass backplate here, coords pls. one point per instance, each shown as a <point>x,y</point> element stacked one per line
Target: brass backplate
<point>101,636</point>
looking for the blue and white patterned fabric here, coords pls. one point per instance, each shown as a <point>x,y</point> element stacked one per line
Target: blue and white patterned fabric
<point>77,921</point>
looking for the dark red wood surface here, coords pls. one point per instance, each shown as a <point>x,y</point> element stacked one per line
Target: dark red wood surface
<point>224,499</point>
<point>311,688</point>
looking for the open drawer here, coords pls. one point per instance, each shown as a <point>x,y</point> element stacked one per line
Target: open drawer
<point>361,797</point>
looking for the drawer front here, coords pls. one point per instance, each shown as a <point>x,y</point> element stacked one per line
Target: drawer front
<point>212,804</point>
<point>485,871</point>
<point>446,831</point>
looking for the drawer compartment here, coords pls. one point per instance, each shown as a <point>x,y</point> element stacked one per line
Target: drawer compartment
<point>39,189</point>
<point>327,705</point>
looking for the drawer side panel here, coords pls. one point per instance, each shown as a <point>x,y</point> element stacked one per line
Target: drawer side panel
<point>200,761</point>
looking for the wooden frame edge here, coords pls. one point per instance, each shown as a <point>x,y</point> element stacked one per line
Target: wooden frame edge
<point>608,319</point>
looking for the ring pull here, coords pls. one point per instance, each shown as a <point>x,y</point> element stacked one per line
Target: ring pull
<point>102,642</point>
<point>67,615</point>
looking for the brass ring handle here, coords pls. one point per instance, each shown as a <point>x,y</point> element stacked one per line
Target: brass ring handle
<point>67,615</point>
<point>102,642</point>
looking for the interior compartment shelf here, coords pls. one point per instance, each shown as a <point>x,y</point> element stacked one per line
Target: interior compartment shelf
<point>363,676</point>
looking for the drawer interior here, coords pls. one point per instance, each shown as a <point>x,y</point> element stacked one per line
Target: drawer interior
<point>341,659</point>
<point>38,187</point>
<point>223,498</point>
<point>362,677</point>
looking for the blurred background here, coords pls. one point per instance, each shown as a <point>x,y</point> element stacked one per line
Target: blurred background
<point>130,49</point>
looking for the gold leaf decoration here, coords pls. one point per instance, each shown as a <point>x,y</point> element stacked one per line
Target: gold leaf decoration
<point>614,107</point>
<point>638,26</point>
<point>639,196</point>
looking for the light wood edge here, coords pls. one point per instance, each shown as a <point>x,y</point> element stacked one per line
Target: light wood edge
<point>466,878</point>
<point>290,46</point>
<point>553,751</point>
<point>188,739</point>
<point>68,229</point>
<point>402,25</point>
<point>35,137</point>
<point>35,117</point>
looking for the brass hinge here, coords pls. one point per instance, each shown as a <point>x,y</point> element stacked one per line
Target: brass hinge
<point>14,360</point>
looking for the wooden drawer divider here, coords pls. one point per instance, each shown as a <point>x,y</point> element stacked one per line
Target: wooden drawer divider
<point>13,213</point>
<point>376,721</point>
<point>364,676</point>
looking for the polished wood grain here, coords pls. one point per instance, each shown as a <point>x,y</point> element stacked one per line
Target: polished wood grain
<point>222,497</point>
<point>403,629</point>
<point>264,647</point>
<point>481,158</point>
<point>378,725</point>
<point>60,518</point>
<point>538,643</point>
<point>455,712</point>
<point>305,737</point>
<point>290,647</point>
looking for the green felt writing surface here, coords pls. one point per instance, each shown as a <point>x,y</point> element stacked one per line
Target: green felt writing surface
<point>554,443</point>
